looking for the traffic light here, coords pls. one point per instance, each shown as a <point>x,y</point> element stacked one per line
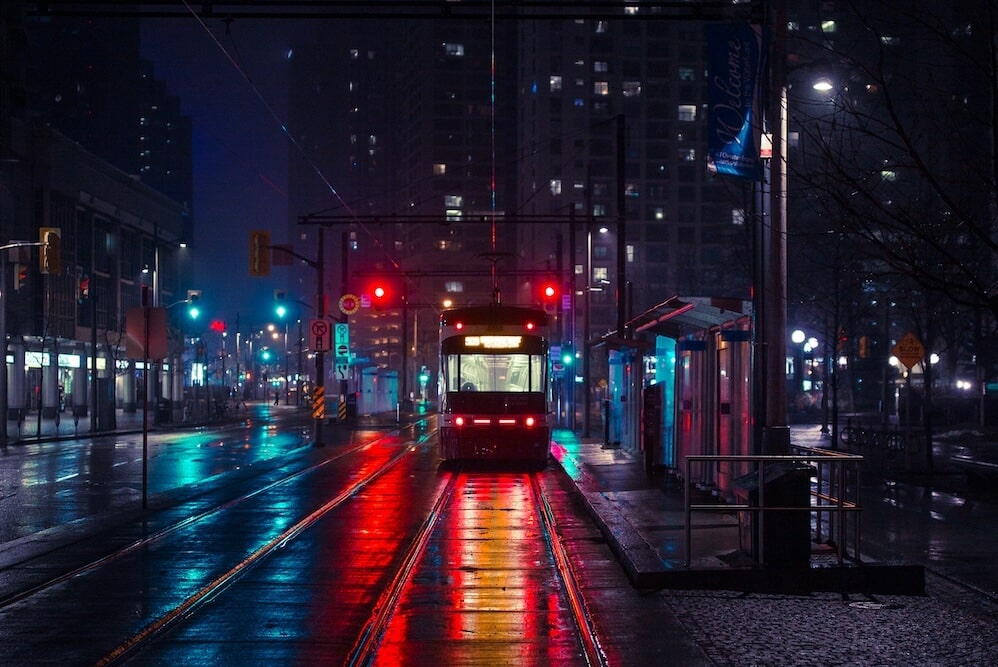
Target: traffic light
<point>549,295</point>
<point>193,301</point>
<point>50,258</point>
<point>20,276</point>
<point>259,253</point>
<point>567,354</point>
<point>280,303</point>
<point>380,295</point>
<point>84,287</point>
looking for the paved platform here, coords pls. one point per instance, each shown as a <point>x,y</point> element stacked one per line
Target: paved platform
<point>644,520</point>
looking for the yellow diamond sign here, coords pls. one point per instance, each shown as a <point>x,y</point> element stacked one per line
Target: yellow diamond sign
<point>909,350</point>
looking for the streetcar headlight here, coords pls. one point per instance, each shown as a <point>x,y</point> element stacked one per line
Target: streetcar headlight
<point>458,421</point>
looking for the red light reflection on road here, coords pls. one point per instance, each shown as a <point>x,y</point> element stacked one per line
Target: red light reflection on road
<point>486,591</point>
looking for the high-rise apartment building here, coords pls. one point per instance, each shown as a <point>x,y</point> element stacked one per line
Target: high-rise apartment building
<point>499,144</point>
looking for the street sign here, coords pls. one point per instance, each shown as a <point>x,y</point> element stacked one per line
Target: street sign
<point>349,304</point>
<point>320,335</point>
<point>909,350</point>
<point>341,342</point>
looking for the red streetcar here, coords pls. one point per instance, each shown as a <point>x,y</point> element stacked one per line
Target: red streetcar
<point>494,384</point>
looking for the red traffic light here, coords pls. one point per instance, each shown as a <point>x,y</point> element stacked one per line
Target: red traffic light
<point>380,292</point>
<point>550,291</point>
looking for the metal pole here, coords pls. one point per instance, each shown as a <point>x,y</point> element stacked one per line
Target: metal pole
<point>320,307</point>
<point>145,397</point>
<point>4,267</point>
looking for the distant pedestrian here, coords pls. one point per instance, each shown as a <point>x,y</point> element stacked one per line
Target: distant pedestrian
<point>277,397</point>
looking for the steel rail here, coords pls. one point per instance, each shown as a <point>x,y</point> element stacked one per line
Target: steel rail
<point>210,591</point>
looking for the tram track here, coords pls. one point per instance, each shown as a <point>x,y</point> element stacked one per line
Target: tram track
<point>401,591</point>
<point>215,587</point>
<point>381,559</point>
<point>187,522</point>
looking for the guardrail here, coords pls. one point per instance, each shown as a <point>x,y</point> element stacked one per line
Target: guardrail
<point>833,496</point>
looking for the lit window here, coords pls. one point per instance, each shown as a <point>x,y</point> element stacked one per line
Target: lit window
<point>555,186</point>
<point>602,27</point>
<point>439,169</point>
<point>599,210</point>
<point>687,112</point>
<point>354,54</point>
<point>453,286</point>
<point>578,102</point>
<point>629,252</point>
<point>601,66</point>
<point>453,201</point>
<point>659,213</point>
<point>828,26</point>
<point>889,175</point>
<point>453,49</point>
<point>632,88</point>
<point>453,215</point>
<point>601,274</point>
<point>738,217</point>
<point>555,83</point>
<point>601,88</point>
<point>687,74</point>
<point>688,154</point>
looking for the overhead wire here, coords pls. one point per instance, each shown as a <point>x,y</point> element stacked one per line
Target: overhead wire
<point>285,130</point>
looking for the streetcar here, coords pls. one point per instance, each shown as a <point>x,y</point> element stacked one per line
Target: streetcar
<point>494,385</point>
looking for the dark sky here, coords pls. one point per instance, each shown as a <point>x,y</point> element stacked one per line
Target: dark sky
<point>240,150</point>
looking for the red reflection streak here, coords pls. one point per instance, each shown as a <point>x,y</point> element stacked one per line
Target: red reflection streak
<point>355,548</point>
<point>485,591</point>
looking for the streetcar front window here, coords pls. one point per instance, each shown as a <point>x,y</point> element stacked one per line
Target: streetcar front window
<point>494,372</point>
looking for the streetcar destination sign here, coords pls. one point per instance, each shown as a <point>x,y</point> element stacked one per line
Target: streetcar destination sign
<point>493,342</point>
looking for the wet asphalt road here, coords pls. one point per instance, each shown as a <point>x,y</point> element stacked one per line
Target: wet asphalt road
<point>299,608</point>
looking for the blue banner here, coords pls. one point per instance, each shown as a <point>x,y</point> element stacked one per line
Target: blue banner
<point>736,57</point>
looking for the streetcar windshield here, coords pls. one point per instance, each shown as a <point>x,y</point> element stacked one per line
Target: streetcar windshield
<point>494,372</point>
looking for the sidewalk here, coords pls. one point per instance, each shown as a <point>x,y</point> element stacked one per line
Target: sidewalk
<point>644,518</point>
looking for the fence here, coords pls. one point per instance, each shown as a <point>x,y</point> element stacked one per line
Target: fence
<point>833,496</point>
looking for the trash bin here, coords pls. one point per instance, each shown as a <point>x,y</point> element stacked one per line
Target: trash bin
<point>786,538</point>
<point>163,411</point>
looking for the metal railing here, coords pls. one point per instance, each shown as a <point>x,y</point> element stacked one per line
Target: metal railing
<point>833,496</point>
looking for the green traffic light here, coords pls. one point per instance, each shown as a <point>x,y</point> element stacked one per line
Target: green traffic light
<point>194,312</point>
<point>281,311</point>
<point>265,355</point>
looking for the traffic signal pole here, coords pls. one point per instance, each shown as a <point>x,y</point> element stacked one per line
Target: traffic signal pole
<point>320,361</point>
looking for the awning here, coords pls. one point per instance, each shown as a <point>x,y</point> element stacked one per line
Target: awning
<point>679,316</point>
